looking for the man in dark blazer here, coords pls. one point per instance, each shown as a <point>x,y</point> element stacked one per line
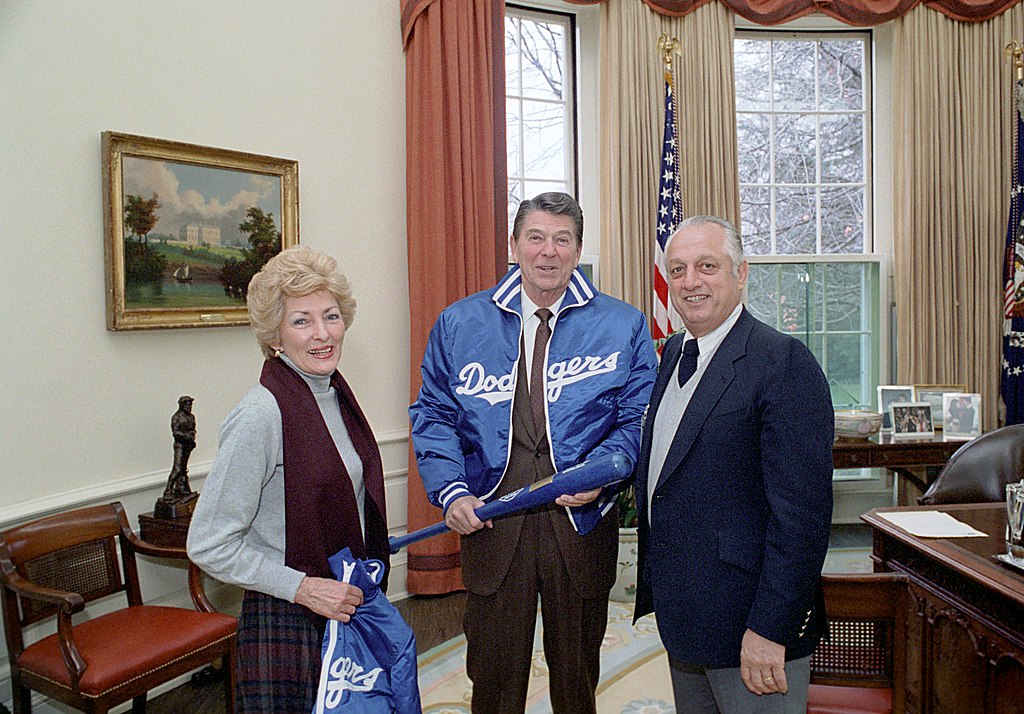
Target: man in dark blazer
<point>734,490</point>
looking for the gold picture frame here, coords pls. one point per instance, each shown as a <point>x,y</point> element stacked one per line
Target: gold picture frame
<point>932,393</point>
<point>186,226</point>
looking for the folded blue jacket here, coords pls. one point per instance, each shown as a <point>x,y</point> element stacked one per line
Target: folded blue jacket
<point>369,662</point>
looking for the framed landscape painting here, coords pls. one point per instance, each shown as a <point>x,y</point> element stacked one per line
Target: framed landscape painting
<point>187,227</point>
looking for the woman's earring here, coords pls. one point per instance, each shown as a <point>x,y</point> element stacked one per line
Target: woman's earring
<point>277,352</point>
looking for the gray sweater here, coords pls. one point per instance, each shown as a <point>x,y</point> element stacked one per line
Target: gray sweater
<point>237,533</point>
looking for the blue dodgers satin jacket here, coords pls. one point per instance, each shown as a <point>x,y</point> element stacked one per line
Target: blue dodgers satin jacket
<point>368,664</point>
<point>600,371</point>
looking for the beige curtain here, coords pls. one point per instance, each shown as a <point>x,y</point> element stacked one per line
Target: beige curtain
<point>632,116</point>
<point>953,129</point>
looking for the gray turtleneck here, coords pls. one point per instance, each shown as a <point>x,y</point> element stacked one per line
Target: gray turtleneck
<point>237,533</point>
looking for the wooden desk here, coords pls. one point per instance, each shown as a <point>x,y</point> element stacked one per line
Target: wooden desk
<point>898,454</point>
<point>965,614</point>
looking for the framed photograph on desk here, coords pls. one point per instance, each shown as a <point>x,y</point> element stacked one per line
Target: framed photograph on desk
<point>961,414</point>
<point>932,393</point>
<point>911,419</point>
<point>889,393</point>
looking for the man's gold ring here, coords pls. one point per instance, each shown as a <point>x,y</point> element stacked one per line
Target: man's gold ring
<point>769,679</point>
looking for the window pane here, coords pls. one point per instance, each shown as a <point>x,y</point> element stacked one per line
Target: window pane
<point>753,64</point>
<point>542,46</point>
<point>777,295</point>
<point>794,75</point>
<point>842,148</point>
<point>842,219</point>
<point>841,74</point>
<point>796,144</point>
<point>532,188</point>
<point>795,220</point>
<point>756,219</point>
<point>543,140</point>
<point>512,56</point>
<point>753,131</point>
<point>513,137</point>
<point>844,308</point>
<point>515,197</point>
<point>846,359</point>
<point>794,298</point>
<point>763,292</point>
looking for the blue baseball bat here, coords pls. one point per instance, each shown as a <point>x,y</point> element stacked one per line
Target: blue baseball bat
<point>592,473</point>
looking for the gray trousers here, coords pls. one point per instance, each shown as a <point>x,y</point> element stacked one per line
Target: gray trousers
<point>703,690</point>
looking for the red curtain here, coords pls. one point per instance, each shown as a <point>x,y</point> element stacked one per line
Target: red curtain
<point>862,13</point>
<point>455,202</point>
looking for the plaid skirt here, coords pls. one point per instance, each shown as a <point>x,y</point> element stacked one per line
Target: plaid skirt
<point>278,666</point>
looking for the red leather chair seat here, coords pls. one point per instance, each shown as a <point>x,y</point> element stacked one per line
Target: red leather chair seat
<point>118,647</point>
<point>825,699</point>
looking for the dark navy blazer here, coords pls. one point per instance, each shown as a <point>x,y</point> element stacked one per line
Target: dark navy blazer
<point>742,509</point>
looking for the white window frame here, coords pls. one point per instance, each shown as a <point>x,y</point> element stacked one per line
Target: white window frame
<point>879,209</point>
<point>584,176</point>
<point>861,489</point>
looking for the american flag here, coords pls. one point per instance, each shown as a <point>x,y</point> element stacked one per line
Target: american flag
<point>666,320</point>
<point>1013,276</point>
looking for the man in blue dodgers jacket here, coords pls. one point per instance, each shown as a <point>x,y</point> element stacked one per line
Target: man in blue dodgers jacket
<point>734,490</point>
<point>507,401</point>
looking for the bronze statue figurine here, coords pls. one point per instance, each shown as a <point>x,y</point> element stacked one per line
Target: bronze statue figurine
<point>178,498</point>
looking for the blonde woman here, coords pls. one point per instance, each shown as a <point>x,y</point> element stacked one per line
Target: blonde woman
<point>297,477</point>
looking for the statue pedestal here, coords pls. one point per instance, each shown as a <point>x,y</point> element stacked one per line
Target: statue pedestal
<point>176,509</point>
<point>167,524</point>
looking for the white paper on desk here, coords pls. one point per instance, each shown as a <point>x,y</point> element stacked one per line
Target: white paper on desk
<point>930,524</point>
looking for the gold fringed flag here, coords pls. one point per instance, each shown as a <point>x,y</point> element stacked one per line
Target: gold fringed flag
<point>1013,262</point>
<point>665,319</point>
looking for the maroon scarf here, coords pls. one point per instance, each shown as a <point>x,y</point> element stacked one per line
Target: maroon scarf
<point>320,503</point>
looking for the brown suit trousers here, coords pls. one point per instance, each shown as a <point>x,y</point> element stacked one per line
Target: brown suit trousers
<point>537,552</point>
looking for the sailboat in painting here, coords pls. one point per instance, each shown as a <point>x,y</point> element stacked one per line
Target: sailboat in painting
<point>182,274</point>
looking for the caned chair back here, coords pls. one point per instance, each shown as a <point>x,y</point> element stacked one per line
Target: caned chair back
<point>865,646</point>
<point>75,552</point>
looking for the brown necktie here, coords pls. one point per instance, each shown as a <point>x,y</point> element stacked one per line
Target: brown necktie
<point>540,345</point>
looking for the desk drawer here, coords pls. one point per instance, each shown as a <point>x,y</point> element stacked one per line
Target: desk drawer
<point>852,459</point>
<point>892,458</point>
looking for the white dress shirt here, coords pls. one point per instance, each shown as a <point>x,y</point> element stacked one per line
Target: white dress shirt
<point>531,322</point>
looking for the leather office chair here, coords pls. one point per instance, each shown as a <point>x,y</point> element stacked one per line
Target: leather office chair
<point>54,566</point>
<point>980,469</point>
<point>861,665</point>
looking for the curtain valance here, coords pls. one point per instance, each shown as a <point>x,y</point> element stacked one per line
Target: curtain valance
<point>862,13</point>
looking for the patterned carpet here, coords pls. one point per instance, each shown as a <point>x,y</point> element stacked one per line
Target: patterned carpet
<point>634,668</point>
<point>634,671</point>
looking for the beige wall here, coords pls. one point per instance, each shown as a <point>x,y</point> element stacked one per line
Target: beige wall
<point>86,412</point>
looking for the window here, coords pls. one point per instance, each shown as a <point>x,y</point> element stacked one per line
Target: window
<point>540,103</point>
<point>803,126</point>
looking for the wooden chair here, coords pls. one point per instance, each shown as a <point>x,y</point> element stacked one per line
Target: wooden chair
<point>54,566</point>
<point>980,469</point>
<point>861,665</point>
